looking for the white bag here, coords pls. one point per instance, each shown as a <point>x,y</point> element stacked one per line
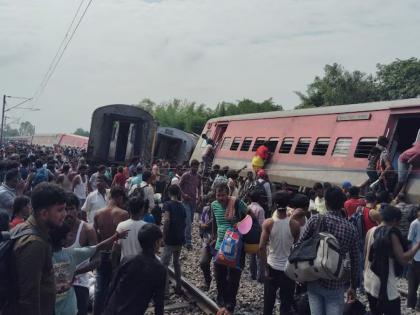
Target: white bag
<point>316,258</point>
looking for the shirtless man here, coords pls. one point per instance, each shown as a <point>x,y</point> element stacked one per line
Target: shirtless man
<point>81,234</point>
<point>105,223</point>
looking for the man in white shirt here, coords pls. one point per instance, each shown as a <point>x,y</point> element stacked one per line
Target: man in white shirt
<point>147,188</point>
<point>130,246</point>
<point>177,177</point>
<point>320,205</point>
<point>97,199</point>
<point>94,177</point>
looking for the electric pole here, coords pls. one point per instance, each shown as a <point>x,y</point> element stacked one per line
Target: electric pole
<point>2,119</point>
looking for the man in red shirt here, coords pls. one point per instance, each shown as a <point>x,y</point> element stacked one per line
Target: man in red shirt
<point>410,157</point>
<point>119,178</point>
<point>354,202</point>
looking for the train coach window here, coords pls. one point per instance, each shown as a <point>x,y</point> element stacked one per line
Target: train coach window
<point>226,143</point>
<point>286,145</point>
<point>258,142</point>
<point>342,147</point>
<point>364,146</point>
<point>321,146</point>
<point>235,144</point>
<point>272,144</point>
<point>246,144</point>
<point>303,145</point>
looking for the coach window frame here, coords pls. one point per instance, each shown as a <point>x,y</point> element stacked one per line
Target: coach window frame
<point>258,142</point>
<point>363,149</point>
<point>226,143</point>
<point>302,145</point>
<point>236,141</point>
<point>320,149</point>
<point>345,145</point>
<point>283,143</point>
<point>273,140</point>
<point>246,142</point>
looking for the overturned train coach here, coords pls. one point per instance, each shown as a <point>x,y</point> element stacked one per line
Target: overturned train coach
<point>328,144</point>
<point>120,132</point>
<point>174,145</point>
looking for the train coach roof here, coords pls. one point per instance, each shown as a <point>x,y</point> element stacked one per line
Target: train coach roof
<point>123,110</point>
<point>339,109</point>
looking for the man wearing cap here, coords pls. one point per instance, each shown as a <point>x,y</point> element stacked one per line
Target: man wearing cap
<point>409,158</point>
<point>261,157</point>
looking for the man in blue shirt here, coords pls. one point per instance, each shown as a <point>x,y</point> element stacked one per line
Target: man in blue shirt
<point>413,275</point>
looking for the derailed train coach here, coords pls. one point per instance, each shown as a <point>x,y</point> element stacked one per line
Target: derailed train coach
<point>328,144</point>
<point>120,132</point>
<point>174,145</point>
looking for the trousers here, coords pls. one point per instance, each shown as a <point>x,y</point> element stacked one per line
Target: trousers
<point>413,277</point>
<point>276,280</point>
<point>227,282</point>
<point>170,251</point>
<point>189,211</point>
<point>205,261</point>
<point>103,280</point>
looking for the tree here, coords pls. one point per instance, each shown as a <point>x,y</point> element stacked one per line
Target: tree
<point>399,79</point>
<point>339,86</point>
<point>81,132</point>
<point>191,117</point>
<point>26,129</point>
<point>10,132</point>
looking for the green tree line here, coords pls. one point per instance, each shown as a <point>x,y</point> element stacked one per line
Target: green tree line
<point>337,86</point>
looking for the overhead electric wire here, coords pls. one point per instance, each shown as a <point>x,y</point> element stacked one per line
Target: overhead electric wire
<point>54,65</point>
<point>14,106</point>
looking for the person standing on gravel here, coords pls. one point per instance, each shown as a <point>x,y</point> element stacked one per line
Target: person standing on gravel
<point>227,279</point>
<point>278,232</point>
<point>414,268</point>
<point>190,184</point>
<point>173,234</point>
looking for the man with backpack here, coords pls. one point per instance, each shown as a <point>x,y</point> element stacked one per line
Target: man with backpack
<point>326,297</point>
<point>42,174</point>
<point>263,189</point>
<point>29,285</point>
<point>145,190</point>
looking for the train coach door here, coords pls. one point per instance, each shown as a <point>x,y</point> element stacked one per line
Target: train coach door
<point>218,134</point>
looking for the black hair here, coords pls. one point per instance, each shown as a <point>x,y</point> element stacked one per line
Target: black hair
<point>222,186</point>
<point>390,213</point>
<point>58,234</point>
<point>38,163</point>
<point>66,167</point>
<point>383,197</point>
<point>120,169</point>
<point>281,199</point>
<point>334,198</point>
<point>117,191</point>
<point>147,175</point>
<point>354,191</point>
<point>136,205</point>
<point>254,196</point>
<point>101,168</point>
<point>194,163</point>
<point>46,195</point>
<point>299,201</point>
<point>383,141</point>
<point>72,200</point>
<point>232,174</point>
<point>25,161</point>
<point>175,191</point>
<point>82,167</point>
<point>19,203</point>
<point>216,167</point>
<point>326,185</point>
<point>318,186</point>
<point>12,174</point>
<point>375,151</point>
<point>148,235</point>
<point>370,197</point>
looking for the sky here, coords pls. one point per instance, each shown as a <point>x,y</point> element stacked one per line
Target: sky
<point>205,51</point>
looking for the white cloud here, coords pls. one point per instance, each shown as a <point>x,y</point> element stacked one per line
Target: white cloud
<point>202,50</point>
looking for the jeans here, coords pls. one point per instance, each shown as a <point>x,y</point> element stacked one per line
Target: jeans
<point>189,211</point>
<point>103,280</point>
<point>413,277</point>
<point>227,281</point>
<point>170,251</point>
<point>278,280</point>
<point>256,268</point>
<point>403,172</point>
<point>82,295</point>
<point>323,301</point>
<point>205,260</point>
<point>391,308</point>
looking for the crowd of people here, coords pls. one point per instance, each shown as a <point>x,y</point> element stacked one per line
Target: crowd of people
<point>79,233</point>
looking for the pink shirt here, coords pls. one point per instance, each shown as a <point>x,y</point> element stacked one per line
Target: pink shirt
<point>258,211</point>
<point>412,154</point>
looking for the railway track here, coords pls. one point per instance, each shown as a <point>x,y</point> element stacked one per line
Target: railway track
<point>195,296</point>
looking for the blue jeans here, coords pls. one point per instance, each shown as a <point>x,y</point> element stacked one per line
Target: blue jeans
<point>189,211</point>
<point>324,301</point>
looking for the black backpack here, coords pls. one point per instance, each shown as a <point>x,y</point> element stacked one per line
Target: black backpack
<point>261,192</point>
<point>7,272</point>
